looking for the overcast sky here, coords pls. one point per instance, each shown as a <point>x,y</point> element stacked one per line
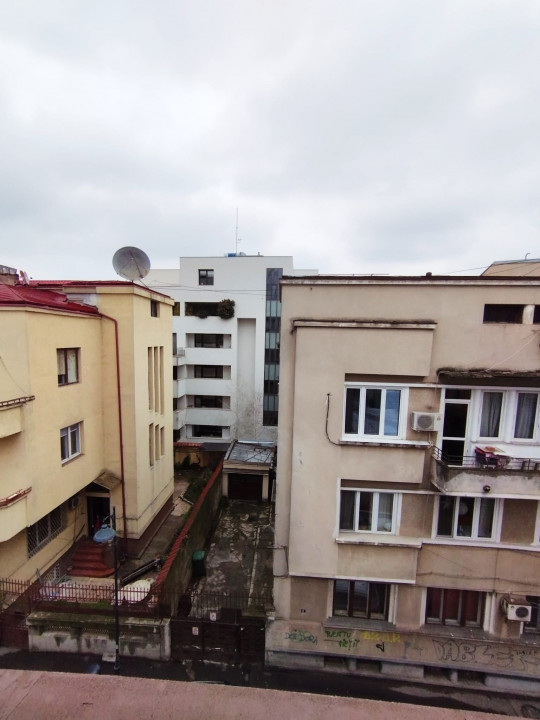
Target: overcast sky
<point>380,136</point>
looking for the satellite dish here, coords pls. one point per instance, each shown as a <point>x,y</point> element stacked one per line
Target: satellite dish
<point>131,263</point>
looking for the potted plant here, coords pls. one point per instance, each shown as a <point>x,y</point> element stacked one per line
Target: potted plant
<point>225,309</point>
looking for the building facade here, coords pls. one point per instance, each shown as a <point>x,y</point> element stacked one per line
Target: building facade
<point>408,476</point>
<point>226,327</point>
<point>85,417</point>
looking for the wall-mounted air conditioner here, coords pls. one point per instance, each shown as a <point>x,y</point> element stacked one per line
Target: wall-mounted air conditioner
<point>426,422</point>
<point>516,608</point>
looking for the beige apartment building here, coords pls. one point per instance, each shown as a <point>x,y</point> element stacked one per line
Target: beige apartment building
<point>408,476</point>
<point>85,417</point>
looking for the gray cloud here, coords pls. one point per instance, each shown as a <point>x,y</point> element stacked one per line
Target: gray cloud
<point>362,137</point>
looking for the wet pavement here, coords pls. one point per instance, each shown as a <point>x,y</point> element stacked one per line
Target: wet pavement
<point>239,557</point>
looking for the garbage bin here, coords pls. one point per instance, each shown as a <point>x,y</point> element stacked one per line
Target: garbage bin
<point>198,567</point>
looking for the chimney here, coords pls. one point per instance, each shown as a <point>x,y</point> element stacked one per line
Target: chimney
<point>8,275</point>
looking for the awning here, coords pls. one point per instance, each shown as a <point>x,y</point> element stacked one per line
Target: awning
<point>108,480</point>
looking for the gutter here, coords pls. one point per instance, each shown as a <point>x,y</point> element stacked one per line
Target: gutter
<point>120,424</point>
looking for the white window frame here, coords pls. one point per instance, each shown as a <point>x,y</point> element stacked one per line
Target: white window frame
<point>509,409</point>
<point>396,509</point>
<point>73,435</point>
<point>402,416</point>
<point>474,537</point>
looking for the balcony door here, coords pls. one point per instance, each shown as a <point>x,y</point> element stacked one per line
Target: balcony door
<point>457,404</point>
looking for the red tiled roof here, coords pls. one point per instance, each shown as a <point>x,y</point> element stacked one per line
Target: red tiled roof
<point>34,297</point>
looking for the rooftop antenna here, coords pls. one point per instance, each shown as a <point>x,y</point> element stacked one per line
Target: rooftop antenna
<point>237,238</point>
<point>131,263</point>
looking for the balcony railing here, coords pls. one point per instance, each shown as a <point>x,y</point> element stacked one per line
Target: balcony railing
<point>483,460</point>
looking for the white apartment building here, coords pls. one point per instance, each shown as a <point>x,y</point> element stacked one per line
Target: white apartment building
<point>226,369</point>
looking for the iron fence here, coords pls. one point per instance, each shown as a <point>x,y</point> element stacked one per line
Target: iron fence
<point>218,605</point>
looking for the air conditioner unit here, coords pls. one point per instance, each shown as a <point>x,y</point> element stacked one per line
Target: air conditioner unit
<point>73,502</point>
<point>426,422</point>
<point>516,608</point>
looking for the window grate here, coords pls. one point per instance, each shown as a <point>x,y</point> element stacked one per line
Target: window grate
<point>46,529</point>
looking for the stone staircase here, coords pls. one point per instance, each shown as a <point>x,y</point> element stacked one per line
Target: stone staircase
<point>88,560</point>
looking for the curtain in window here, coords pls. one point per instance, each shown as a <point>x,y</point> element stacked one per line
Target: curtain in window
<point>485,517</point>
<point>72,365</point>
<point>526,414</point>
<point>491,414</point>
<point>384,518</point>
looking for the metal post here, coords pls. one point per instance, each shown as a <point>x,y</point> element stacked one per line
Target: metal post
<point>116,616</point>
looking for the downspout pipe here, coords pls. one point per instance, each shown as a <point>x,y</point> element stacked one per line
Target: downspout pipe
<point>120,424</point>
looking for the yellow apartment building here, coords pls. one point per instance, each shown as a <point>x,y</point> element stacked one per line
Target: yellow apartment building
<point>85,417</point>
<point>408,476</point>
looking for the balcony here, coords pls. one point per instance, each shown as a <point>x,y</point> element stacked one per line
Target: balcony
<point>490,467</point>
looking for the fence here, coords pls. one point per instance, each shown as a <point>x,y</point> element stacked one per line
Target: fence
<point>214,605</point>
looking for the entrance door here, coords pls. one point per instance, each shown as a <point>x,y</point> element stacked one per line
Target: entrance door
<point>245,487</point>
<point>456,413</point>
<point>98,507</point>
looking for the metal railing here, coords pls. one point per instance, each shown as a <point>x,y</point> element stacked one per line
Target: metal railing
<point>203,605</point>
<point>494,462</point>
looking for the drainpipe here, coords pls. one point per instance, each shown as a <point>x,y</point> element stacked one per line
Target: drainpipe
<point>120,431</point>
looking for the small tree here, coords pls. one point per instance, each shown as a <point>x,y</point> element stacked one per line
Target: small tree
<point>225,309</point>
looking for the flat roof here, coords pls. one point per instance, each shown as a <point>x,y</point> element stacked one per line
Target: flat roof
<point>251,453</point>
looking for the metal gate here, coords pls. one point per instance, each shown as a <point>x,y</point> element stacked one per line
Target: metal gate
<point>239,640</point>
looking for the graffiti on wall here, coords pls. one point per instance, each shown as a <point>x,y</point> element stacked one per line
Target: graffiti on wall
<point>523,659</point>
<point>301,636</point>
<point>417,647</point>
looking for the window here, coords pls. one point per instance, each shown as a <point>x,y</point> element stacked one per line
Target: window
<point>526,413</point>
<point>42,532</point>
<point>373,412</point>
<point>467,517</point>
<point>208,340</point>
<point>533,625</point>
<point>151,444</point>
<point>70,442</point>
<point>366,511</point>
<point>176,308</point>
<point>208,401</point>
<point>454,607</point>
<point>357,598</point>
<point>67,360</point>
<point>206,277</point>
<point>503,313</point>
<point>490,421</point>
<point>208,371</point>
<point>207,431</point>
<point>154,308</point>
<point>509,415</point>
<point>201,309</point>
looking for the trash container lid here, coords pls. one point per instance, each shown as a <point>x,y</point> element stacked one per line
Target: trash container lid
<point>198,555</point>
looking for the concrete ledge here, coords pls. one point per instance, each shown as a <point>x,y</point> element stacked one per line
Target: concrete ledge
<point>513,684</point>
<point>402,670</point>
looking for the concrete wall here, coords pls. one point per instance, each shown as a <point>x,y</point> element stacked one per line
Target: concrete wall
<point>399,331</point>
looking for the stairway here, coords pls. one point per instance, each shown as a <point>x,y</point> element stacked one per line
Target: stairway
<point>88,560</point>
